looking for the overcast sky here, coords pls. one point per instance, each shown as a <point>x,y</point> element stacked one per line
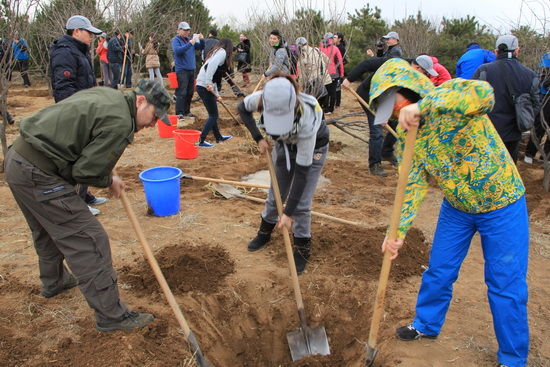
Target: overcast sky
<point>501,15</point>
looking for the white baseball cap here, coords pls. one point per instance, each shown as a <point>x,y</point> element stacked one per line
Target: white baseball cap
<point>184,25</point>
<point>279,100</point>
<point>81,22</point>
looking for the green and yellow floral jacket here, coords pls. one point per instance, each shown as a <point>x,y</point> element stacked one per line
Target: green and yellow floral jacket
<point>456,144</point>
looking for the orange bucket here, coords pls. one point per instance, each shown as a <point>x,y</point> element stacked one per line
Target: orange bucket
<point>173,79</point>
<point>186,143</point>
<point>166,131</point>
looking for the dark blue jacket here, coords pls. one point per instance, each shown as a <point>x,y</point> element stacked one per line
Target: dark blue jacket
<point>184,53</point>
<point>115,51</point>
<point>522,80</point>
<point>471,60</point>
<point>71,67</point>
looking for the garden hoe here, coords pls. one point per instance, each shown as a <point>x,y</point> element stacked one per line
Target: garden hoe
<point>404,169</point>
<point>193,344</point>
<point>305,341</point>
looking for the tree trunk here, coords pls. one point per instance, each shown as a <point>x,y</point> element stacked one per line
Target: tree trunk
<point>4,144</point>
<point>546,178</point>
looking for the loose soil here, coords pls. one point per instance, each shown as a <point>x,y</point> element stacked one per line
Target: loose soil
<point>239,304</point>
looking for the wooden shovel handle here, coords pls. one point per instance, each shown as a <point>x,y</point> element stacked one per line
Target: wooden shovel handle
<point>404,169</point>
<point>366,105</point>
<point>230,113</point>
<point>288,245</point>
<point>259,83</point>
<point>229,182</point>
<point>154,265</point>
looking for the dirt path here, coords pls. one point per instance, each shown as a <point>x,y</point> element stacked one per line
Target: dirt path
<point>240,304</point>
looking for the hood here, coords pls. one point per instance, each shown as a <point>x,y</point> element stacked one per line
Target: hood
<point>434,60</point>
<point>473,47</point>
<point>398,73</point>
<point>545,60</point>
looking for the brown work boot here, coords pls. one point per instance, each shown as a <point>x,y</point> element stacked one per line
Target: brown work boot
<point>130,321</point>
<point>377,170</point>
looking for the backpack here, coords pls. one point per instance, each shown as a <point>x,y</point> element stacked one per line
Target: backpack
<point>523,104</point>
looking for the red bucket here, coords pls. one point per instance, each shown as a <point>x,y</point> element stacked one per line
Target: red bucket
<point>173,79</point>
<point>186,143</point>
<point>166,131</point>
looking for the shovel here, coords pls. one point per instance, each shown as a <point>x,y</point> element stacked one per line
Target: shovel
<point>259,83</point>
<point>229,192</point>
<point>229,182</point>
<point>404,169</point>
<point>123,73</point>
<point>191,340</point>
<point>366,105</point>
<point>304,341</point>
<point>230,113</point>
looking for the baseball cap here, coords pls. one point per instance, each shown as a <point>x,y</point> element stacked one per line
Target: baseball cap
<point>157,96</point>
<point>301,41</point>
<point>391,35</point>
<point>509,40</point>
<point>103,35</point>
<point>328,36</point>
<point>426,63</point>
<point>81,22</point>
<point>384,106</point>
<point>279,99</point>
<point>184,25</point>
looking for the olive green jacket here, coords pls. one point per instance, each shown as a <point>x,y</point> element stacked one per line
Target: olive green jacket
<point>83,135</point>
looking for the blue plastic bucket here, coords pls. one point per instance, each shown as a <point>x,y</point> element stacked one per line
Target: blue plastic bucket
<point>162,190</point>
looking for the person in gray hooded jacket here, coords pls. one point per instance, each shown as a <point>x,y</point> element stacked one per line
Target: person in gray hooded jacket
<point>295,122</point>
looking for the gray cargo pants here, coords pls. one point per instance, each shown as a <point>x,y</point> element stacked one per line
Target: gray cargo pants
<point>301,225</point>
<point>63,228</point>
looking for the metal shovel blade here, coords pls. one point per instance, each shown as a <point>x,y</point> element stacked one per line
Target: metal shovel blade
<point>311,341</point>
<point>196,350</point>
<point>371,355</point>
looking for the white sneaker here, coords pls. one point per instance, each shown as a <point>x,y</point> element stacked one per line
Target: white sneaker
<point>94,211</point>
<point>528,160</point>
<point>98,201</point>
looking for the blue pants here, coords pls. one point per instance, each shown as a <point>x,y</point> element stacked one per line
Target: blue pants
<point>505,242</point>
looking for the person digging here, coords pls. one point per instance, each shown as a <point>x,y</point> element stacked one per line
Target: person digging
<point>294,121</point>
<point>78,141</point>
<point>483,192</point>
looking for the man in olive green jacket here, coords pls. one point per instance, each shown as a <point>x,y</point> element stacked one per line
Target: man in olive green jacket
<point>78,141</point>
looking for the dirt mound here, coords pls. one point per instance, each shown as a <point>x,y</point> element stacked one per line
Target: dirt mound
<point>538,200</point>
<point>186,268</point>
<point>355,252</point>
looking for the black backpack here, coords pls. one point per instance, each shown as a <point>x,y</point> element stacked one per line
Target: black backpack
<point>523,104</point>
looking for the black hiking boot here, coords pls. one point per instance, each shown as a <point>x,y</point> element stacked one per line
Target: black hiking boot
<point>377,170</point>
<point>408,333</point>
<point>263,236</point>
<point>302,248</point>
<point>68,283</point>
<point>130,321</point>
<point>392,159</point>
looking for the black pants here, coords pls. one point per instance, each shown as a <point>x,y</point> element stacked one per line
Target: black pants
<point>128,74</point>
<point>513,148</point>
<point>329,101</point>
<point>115,69</point>
<point>531,149</point>
<point>184,91</point>
<point>209,100</point>
<point>23,66</point>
